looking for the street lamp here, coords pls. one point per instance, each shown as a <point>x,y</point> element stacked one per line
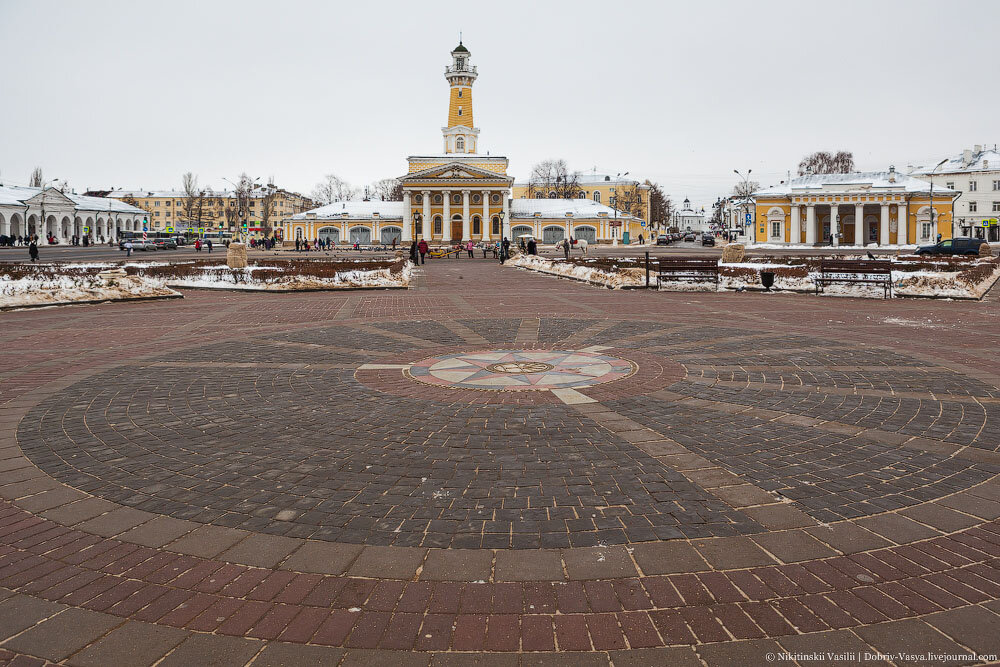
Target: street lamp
<point>503,233</point>
<point>746,197</point>
<point>933,226</point>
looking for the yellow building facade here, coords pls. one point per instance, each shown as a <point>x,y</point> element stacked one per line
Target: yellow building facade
<point>459,195</point>
<point>862,208</point>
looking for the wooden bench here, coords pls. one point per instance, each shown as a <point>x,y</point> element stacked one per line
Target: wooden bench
<point>687,268</point>
<point>864,271</point>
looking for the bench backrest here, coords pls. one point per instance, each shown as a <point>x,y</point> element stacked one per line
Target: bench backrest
<point>682,263</point>
<point>860,266</point>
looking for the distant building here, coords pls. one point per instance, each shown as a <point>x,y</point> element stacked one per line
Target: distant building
<point>862,208</point>
<point>598,187</point>
<point>975,174</point>
<point>44,212</point>
<point>166,208</point>
<point>689,219</point>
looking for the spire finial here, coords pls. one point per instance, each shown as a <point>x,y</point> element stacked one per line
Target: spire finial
<point>459,36</point>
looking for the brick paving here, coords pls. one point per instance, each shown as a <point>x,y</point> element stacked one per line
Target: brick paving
<point>259,481</point>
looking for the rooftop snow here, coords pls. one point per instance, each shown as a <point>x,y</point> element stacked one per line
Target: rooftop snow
<point>854,182</point>
<point>985,160</point>
<point>520,209</point>
<point>16,195</point>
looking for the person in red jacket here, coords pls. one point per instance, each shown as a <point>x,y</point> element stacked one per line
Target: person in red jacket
<point>423,248</point>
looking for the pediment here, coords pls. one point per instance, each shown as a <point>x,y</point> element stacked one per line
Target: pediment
<point>51,197</point>
<point>455,171</point>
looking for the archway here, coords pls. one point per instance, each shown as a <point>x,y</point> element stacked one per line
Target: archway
<point>331,233</point>
<point>16,225</point>
<point>553,234</point>
<point>585,233</point>
<point>3,226</point>
<point>361,235</point>
<point>50,227</point>
<point>520,230</point>
<point>387,234</point>
<point>456,228</point>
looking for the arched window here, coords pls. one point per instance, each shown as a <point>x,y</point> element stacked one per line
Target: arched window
<point>552,195</point>
<point>597,196</point>
<point>460,144</point>
<point>496,225</point>
<point>477,225</point>
<point>459,111</point>
<point>437,225</point>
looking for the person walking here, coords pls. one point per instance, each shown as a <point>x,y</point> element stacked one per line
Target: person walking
<point>565,245</point>
<point>470,247</point>
<point>504,249</point>
<point>128,248</point>
<point>208,243</point>
<point>532,247</point>
<point>197,245</point>
<point>33,251</point>
<point>424,249</point>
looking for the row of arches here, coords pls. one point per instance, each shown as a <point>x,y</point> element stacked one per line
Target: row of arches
<point>358,234</point>
<point>555,233</point>
<point>63,227</point>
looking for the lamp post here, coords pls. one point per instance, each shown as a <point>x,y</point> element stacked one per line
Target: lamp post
<point>934,226</point>
<point>503,230</point>
<point>746,197</point>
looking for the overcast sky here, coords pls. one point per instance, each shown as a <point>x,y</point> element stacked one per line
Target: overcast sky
<point>133,94</point>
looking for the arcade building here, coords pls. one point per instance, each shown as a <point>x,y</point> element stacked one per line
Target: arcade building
<point>461,194</point>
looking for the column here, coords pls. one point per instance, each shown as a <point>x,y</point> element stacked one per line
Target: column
<point>859,224</point>
<point>505,220</point>
<point>426,231</point>
<point>796,235</point>
<point>902,224</point>
<point>834,226</point>
<point>466,224</point>
<point>883,233</point>
<point>811,224</point>
<point>407,219</point>
<point>446,222</point>
<point>487,220</point>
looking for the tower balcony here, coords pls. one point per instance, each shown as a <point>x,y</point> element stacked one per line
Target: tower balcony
<point>461,70</point>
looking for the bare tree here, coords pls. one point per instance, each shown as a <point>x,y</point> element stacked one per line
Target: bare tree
<point>660,206</point>
<point>627,198</point>
<point>333,188</point>
<point>266,195</point>
<point>745,190</point>
<point>387,189</point>
<point>822,162</point>
<point>194,198</point>
<point>244,195</point>
<point>551,179</point>
<point>36,179</point>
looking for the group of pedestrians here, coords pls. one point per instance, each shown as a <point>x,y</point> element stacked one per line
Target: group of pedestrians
<point>420,249</point>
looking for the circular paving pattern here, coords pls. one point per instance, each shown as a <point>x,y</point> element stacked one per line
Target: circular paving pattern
<point>328,436</point>
<point>520,370</point>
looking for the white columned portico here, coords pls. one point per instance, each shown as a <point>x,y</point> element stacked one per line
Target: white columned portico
<point>883,234</point>
<point>859,224</point>
<point>811,224</point>
<point>446,223</point>
<point>407,218</point>
<point>466,227</point>
<point>796,230</point>
<point>487,221</point>
<point>834,227</point>
<point>424,229</point>
<point>902,224</point>
<point>505,219</point>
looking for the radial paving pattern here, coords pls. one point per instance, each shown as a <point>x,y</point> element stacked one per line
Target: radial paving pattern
<point>680,486</point>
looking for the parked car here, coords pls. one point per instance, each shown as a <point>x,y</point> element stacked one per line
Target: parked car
<point>707,239</point>
<point>962,245</point>
<point>663,239</point>
<point>165,244</point>
<point>139,244</point>
<point>690,236</point>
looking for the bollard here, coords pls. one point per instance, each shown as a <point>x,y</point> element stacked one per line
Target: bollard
<point>647,269</point>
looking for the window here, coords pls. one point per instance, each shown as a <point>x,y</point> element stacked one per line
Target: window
<point>597,196</point>
<point>456,199</point>
<point>459,92</point>
<point>437,199</point>
<point>459,111</point>
<point>996,207</point>
<point>157,202</point>
<point>950,185</point>
<point>972,186</point>
<point>477,225</point>
<point>437,224</point>
<point>495,199</point>
<point>460,144</point>
<point>775,229</point>
<point>925,230</point>
<point>419,199</point>
<point>973,207</point>
<point>167,203</point>
<point>996,185</point>
<point>496,226</point>
<point>477,199</point>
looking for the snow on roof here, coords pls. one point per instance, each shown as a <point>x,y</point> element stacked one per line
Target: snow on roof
<point>594,178</point>
<point>165,194</point>
<point>853,182</point>
<point>983,160</point>
<point>353,210</point>
<point>558,208</point>
<point>17,195</point>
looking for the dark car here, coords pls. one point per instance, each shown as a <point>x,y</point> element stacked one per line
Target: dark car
<point>690,236</point>
<point>663,239</point>
<point>165,244</point>
<point>707,239</point>
<point>962,245</point>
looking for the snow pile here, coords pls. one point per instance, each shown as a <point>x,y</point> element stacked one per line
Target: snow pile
<point>613,279</point>
<point>55,290</point>
<point>221,276</point>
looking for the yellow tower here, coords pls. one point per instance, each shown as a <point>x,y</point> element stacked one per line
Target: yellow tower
<point>460,136</point>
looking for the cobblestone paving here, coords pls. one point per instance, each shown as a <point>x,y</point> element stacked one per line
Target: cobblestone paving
<point>261,481</point>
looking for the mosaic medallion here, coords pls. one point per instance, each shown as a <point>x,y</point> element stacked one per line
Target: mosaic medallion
<point>516,370</point>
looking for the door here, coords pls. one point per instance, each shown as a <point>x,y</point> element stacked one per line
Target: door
<point>588,234</point>
<point>390,233</point>
<point>456,228</point>
<point>552,235</point>
<point>362,235</point>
